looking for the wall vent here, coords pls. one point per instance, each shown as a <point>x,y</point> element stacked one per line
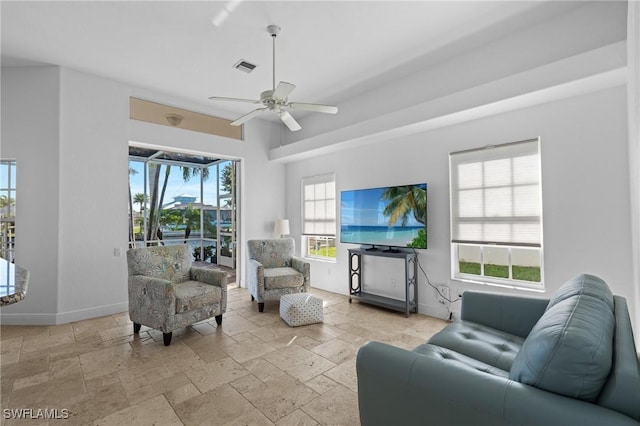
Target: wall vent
<point>244,66</point>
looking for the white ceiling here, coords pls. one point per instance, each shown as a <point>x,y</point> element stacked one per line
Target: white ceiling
<point>328,49</point>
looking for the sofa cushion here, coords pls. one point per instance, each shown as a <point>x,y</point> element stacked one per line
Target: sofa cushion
<point>569,350</point>
<point>477,341</point>
<point>192,295</point>
<point>583,284</point>
<point>282,278</point>
<point>458,359</point>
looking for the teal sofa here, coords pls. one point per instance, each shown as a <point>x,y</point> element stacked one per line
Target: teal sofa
<point>570,360</point>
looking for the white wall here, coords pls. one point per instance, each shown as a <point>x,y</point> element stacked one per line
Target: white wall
<point>585,191</point>
<point>30,134</point>
<point>92,198</point>
<point>69,132</point>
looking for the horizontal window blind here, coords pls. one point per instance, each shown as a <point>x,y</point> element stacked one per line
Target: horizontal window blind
<point>319,205</point>
<point>496,195</point>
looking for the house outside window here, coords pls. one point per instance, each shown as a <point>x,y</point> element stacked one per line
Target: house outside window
<point>496,215</point>
<point>319,217</point>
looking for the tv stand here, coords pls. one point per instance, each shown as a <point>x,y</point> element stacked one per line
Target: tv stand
<point>392,250</point>
<point>372,248</point>
<point>356,285</point>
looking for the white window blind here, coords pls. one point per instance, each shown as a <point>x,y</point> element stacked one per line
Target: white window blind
<point>496,195</point>
<point>319,205</point>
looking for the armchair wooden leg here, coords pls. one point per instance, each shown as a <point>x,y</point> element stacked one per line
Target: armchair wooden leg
<point>136,327</point>
<point>252,298</point>
<point>260,307</point>
<point>167,338</point>
<point>219,319</point>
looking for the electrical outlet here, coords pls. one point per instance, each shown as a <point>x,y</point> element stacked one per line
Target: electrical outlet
<point>443,294</point>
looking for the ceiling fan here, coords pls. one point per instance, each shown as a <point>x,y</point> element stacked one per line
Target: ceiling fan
<point>276,99</point>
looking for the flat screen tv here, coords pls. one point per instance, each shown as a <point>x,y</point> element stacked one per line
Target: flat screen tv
<point>392,216</point>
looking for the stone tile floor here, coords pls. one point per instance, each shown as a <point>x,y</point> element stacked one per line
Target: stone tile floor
<point>252,370</point>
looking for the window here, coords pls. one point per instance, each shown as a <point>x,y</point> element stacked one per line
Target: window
<point>496,215</point>
<point>319,216</point>
<point>7,209</point>
<point>178,198</point>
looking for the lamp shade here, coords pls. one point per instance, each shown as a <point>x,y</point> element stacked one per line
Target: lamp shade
<point>281,227</point>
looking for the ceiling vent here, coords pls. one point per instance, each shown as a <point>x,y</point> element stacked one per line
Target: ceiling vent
<point>244,66</point>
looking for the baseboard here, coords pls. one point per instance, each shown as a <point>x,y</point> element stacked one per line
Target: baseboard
<point>27,319</point>
<point>64,317</point>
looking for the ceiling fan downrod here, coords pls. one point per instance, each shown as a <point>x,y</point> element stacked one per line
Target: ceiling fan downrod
<point>273,30</point>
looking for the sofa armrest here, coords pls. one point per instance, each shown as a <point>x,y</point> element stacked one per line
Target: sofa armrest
<point>304,267</point>
<point>512,314</point>
<point>209,276</point>
<point>396,386</point>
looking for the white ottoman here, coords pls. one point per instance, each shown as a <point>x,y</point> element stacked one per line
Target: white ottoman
<point>301,309</point>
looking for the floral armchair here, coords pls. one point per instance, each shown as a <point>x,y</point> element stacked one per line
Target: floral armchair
<point>273,270</point>
<point>166,292</point>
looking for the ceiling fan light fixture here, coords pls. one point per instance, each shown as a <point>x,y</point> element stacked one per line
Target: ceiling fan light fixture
<point>174,119</point>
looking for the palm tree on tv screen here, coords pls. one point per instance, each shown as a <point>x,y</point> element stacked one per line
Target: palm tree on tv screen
<point>405,201</point>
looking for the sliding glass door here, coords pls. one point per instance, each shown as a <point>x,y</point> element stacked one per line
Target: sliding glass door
<point>177,198</point>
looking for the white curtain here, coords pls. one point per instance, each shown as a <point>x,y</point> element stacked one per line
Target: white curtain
<point>633,100</point>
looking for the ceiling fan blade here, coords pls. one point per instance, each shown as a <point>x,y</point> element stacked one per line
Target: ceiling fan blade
<point>291,123</point>
<point>327,109</point>
<point>283,89</point>
<point>220,98</point>
<point>247,117</point>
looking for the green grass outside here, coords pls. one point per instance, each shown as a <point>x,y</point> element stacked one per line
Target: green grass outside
<point>523,273</point>
<point>324,252</point>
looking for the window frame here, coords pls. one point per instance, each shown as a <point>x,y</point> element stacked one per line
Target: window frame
<point>328,237</point>
<point>8,222</point>
<point>487,242</point>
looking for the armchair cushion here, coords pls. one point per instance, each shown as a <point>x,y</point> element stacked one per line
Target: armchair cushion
<point>192,295</point>
<point>275,253</point>
<point>282,278</point>
<point>165,262</point>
